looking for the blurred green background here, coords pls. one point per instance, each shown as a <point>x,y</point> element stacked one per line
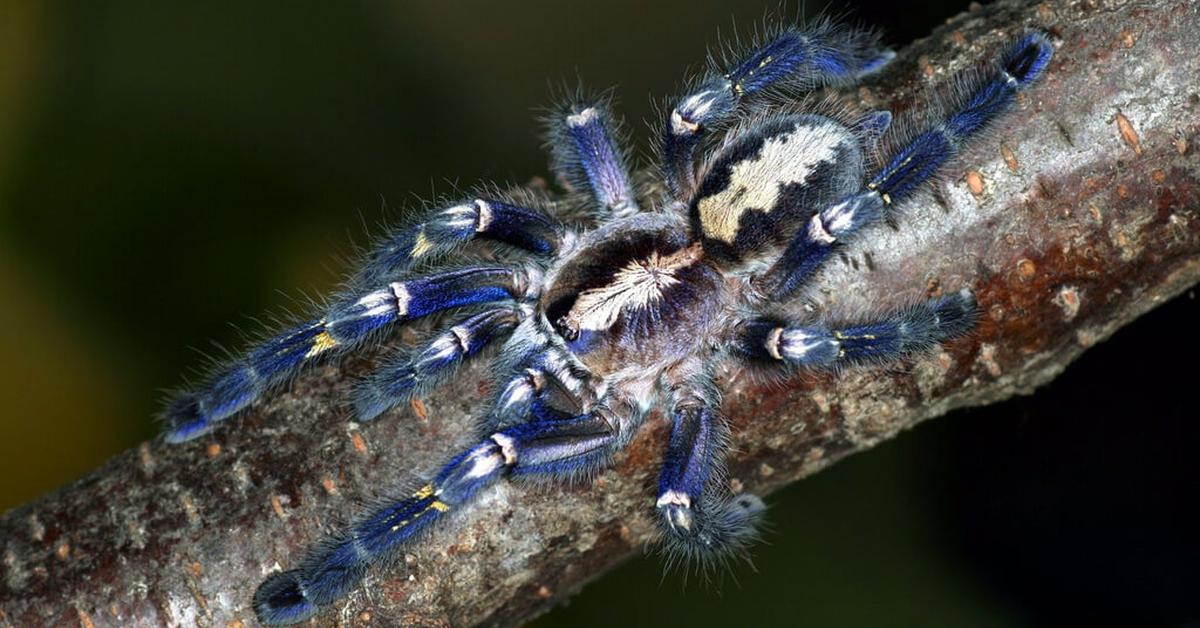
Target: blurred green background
<point>166,170</point>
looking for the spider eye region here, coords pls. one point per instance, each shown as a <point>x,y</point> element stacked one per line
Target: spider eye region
<point>638,284</point>
<point>771,177</point>
<point>630,293</point>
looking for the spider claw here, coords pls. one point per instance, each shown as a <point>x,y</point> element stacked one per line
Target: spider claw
<point>712,533</point>
<point>281,600</point>
<point>183,420</point>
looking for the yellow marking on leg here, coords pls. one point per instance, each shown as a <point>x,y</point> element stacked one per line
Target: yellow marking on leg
<point>422,245</point>
<point>436,504</point>
<point>887,198</point>
<point>322,342</point>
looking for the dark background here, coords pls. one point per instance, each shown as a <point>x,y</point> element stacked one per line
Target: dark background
<point>166,171</point>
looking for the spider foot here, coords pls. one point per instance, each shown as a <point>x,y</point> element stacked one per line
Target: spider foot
<point>706,532</point>
<point>281,600</point>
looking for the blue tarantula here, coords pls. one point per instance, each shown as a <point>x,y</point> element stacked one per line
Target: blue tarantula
<point>640,306</point>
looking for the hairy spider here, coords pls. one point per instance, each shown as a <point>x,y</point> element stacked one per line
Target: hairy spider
<point>662,284</point>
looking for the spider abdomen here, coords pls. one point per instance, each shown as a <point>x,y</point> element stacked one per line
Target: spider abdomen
<point>769,179</point>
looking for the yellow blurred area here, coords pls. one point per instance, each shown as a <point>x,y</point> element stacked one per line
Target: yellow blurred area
<point>58,392</point>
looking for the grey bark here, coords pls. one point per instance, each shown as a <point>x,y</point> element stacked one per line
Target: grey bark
<point>1076,216</point>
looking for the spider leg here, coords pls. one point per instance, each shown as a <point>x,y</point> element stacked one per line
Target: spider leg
<point>806,57</point>
<point>542,390</point>
<point>542,448</point>
<point>530,394</point>
<point>448,229</point>
<point>346,324</point>
<point>586,154</point>
<point>896,333</point>
<point>537,379</point>
<point>698,517</point>
<point>912,166</point>
<point>416,371</point>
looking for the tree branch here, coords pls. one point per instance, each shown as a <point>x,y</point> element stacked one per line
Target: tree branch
<point>1076,217</point>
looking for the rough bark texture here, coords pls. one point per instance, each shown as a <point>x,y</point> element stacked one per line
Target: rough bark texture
<point>1077,215</point>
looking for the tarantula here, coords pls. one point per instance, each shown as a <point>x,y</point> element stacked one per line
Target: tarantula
<point>603,322</point>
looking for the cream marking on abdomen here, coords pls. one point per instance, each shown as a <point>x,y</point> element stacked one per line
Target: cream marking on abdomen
<point>788,158</point>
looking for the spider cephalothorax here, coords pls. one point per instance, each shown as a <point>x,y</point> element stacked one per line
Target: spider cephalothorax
<point>639,307</point>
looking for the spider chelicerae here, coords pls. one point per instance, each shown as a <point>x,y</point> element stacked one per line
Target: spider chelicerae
<point>640,301</point>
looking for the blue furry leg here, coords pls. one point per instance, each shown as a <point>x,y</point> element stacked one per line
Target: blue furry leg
<point>698,519</point>
<point>561,447</point>
<point>889,337</point>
